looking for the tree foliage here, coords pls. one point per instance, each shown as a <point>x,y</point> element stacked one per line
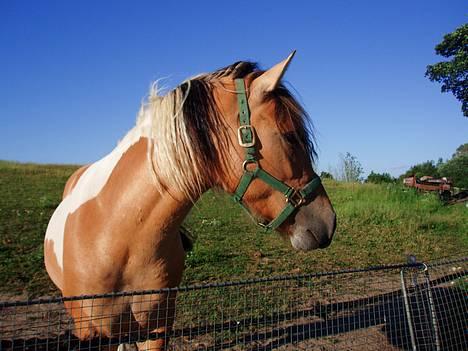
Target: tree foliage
<point>457,167</point>
<point>461,150</point>
<point>326,175</point>
<point>349,169</point>
<point>453,74</point>
<point>380,178</point>
<point>427,168</point>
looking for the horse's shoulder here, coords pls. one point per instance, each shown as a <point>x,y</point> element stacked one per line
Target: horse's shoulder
<point>73,180</point>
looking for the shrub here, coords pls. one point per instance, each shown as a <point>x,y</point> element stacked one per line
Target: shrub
<point>380,178</point>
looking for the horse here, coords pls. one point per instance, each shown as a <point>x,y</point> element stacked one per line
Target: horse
<point>117,228</point>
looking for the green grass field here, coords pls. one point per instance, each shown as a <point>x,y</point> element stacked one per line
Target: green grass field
<point>377,224</point>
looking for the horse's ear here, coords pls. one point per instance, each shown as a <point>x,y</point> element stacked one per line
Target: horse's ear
<point>270,79</point>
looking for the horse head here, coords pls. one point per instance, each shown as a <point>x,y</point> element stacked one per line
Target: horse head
<point>264,152</point>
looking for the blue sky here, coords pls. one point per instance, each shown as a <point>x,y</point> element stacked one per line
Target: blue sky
<point>74,73</point>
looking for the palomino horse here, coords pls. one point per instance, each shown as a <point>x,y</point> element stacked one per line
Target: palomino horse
<point>238,129</point>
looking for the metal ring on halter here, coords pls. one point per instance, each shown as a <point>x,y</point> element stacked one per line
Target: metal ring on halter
<point>247,162</point>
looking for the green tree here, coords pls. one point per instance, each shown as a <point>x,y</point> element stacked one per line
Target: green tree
<point>457,167</point>
<point>379,178</point>
<point>453,74</point>
<point>461,150</point>
<point>427,168</point>
<point>349,169</point>
<point>326,175</point>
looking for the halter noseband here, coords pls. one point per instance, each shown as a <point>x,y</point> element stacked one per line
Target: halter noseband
<point>246,136</point>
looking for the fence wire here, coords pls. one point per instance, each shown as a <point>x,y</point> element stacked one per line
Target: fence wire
<point>399,307</point>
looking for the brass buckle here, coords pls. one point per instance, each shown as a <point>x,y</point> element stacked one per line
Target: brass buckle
<point>239,136</point>
<point>295,199</point>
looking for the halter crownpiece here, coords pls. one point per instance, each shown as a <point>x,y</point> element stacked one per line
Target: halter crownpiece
<point>246,136</point>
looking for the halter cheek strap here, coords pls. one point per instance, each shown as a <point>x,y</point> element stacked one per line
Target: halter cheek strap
<point>246,137</point>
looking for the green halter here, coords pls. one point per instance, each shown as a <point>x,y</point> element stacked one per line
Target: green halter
<point>246,135</point>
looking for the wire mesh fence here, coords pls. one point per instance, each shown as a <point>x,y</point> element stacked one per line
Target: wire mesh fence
<point>413,306</point>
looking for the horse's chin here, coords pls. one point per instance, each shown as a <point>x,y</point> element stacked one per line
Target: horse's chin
<point>304,240</point>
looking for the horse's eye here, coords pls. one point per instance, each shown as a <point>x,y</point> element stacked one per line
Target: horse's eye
<point>290,137</point>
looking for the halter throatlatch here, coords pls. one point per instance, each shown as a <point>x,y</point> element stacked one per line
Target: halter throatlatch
<point>246,136</point>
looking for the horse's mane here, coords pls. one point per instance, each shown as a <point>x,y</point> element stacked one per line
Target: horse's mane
<point>188,136</point>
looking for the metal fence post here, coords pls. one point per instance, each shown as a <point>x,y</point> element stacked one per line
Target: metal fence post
<point>432,308</point>
<point>407,309</point>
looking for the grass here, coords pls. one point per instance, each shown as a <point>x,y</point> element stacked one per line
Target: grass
<point>377,224</point>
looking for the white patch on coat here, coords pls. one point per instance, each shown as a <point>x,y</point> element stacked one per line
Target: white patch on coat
<point>91,183</point>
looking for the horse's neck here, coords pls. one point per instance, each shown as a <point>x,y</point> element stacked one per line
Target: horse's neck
<point>130,185</point>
